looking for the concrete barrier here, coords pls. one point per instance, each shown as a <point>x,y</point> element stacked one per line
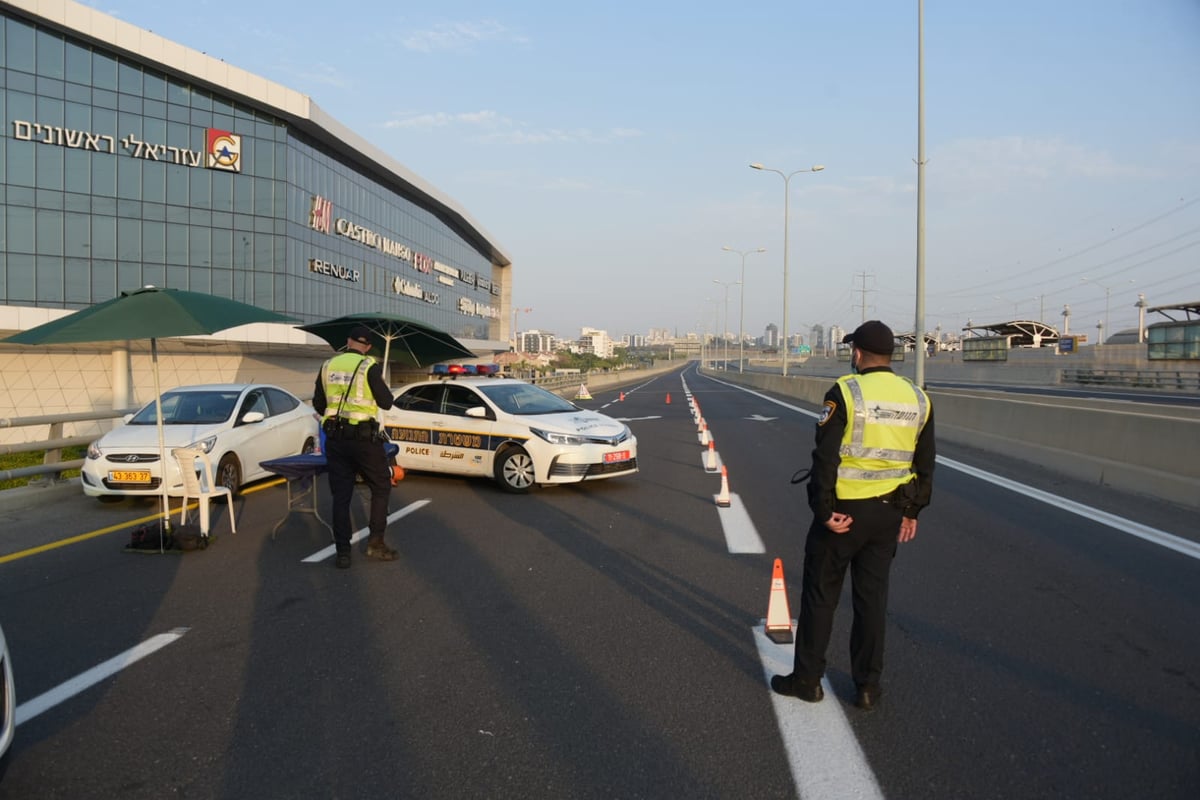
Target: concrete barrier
<point>1152,453</point>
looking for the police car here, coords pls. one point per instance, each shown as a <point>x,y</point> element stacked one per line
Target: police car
<point>515,432</point>
<point>8,699</point>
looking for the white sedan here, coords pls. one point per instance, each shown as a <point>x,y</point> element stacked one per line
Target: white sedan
<point>238,425</point>
<point>509,430</point>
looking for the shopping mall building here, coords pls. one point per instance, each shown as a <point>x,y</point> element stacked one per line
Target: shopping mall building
<point>128,160</point>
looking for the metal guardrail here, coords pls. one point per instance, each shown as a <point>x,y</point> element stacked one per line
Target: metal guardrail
<point>1135,378</point>
<point>52,464</point>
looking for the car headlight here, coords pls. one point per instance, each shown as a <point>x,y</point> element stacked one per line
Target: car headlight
<point>205,445</point>
<point>93,451</point>
<point>558,438</point>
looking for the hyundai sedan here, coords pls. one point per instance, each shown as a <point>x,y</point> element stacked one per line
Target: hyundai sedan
<point>238,425</point>
<point>514,432</point>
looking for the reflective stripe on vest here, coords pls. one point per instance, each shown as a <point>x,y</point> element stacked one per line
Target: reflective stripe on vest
<point>343,378</point>
<point>884,415</point>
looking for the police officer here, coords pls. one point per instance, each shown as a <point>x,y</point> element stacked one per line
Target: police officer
<point>872,474</point>
<point>349,392</point>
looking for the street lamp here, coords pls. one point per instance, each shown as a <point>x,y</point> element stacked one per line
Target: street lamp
<point>786,179</point>
<point>725,332</point>
<point>1107,292</point>
<point>742,312</point>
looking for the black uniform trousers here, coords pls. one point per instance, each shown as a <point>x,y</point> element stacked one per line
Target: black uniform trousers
<point>867,549</point>
<point>347,458</point>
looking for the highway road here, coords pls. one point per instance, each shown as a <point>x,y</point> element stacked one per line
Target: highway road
<point>604,640</point>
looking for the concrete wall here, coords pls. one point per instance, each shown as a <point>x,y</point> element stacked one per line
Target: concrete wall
<point>1152,452</point>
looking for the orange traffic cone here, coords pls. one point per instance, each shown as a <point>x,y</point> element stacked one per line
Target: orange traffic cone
<point>723,498</point>
<point>668,398</point>
<point>712,456</point>
<point>779,618</point>
<point>622,397</point>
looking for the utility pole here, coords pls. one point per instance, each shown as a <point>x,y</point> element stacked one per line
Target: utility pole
<point>863,290</point>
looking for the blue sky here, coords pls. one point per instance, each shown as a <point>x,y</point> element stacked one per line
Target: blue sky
<point>606,146</point>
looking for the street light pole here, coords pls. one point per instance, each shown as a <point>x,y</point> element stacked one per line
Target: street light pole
<point>786,179</point>
<point>724,333</point>
<point>742,312</point>
<point>1107,292</point>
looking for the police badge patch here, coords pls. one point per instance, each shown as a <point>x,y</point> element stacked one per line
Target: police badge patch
<point>827,412</point>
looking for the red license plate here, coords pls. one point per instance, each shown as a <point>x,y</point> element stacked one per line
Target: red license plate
<point>612,458</point>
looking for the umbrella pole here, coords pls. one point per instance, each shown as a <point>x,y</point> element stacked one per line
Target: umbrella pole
<point>387,367</point>
<point>162,450</point>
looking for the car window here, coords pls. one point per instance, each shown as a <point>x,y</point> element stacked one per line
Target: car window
<point>256,400</point>
<point>280,401</point>
<point>525,398</point>
<point>427,399</point>
<point>459,399</point>
<point>190,408</point>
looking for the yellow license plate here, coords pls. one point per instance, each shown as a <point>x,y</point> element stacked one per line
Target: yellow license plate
<point>129,476</point>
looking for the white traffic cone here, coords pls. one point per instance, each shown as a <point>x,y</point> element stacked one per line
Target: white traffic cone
<point>704,437</point>
<point>711,464</point>
<point>723,498</point>
<point>779,619</point>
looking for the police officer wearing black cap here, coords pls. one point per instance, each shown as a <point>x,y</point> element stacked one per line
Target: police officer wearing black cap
<point>349,392</point>
<point>872,474</point>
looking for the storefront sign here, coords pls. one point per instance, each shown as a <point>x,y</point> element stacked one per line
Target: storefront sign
<point>224,148</point>
<point>413,290</point>
<point>334,270</point>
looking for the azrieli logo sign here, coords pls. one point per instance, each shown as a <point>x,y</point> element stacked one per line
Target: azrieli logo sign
<point>223,148</point>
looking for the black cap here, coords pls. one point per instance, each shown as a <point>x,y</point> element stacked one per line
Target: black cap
<point>872,336</point>
<point>361,334</point>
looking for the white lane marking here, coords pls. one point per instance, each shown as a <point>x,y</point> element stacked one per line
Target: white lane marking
<point>635,419</point>
<point>1153,535</point>
<point>361,533</point>
<point>740,534</point>
<point>85,680</point>
<point>826,759</point>
<point>760,418</point>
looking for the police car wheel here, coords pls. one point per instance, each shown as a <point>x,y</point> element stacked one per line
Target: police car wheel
<point>308,447</point>
<point>514,470</point>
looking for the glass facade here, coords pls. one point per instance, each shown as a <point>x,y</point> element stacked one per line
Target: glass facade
<point>114,175</point>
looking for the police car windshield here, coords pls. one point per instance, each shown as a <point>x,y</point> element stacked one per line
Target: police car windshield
<point>190,408</point>
<point>525,398</point>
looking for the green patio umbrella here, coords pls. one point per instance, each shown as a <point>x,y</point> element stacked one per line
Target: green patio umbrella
<point>416,344</point>
<point>149,313</point>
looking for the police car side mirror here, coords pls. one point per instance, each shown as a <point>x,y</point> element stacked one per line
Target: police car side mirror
<point>479,412</point>
<point>250,417</point>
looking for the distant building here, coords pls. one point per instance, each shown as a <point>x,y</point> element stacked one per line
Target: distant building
<point>536,341</point>
<point>771,336</point>
<point>596,342</point>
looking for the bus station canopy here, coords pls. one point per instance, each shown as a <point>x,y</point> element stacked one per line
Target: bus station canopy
<point>1022,332</point>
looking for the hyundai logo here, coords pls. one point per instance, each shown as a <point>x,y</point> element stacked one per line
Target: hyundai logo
<point>132,459</point>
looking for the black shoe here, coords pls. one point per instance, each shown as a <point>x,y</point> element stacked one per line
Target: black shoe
<point>342,561</point>
<point>381,552</point>
<point>792,686</point>
<point>868,697</point>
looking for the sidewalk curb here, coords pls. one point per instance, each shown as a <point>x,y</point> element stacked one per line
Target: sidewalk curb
<point>28,496</point>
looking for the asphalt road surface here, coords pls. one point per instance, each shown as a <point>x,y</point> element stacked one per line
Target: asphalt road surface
<point>602,640</point>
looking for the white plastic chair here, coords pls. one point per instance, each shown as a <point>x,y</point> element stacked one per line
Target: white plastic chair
<point>202,491</point>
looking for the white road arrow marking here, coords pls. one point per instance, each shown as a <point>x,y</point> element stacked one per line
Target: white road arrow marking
<point>761,418</point>
<point>635,419</point>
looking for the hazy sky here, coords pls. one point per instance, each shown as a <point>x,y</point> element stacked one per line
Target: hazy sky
<point>605,147</point>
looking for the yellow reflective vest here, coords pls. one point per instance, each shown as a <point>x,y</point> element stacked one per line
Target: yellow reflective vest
<point>347,393</point>
<point>884,416</point>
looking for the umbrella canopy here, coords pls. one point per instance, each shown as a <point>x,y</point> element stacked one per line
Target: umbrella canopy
<point>415,343</point>
<point>149,313</point>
